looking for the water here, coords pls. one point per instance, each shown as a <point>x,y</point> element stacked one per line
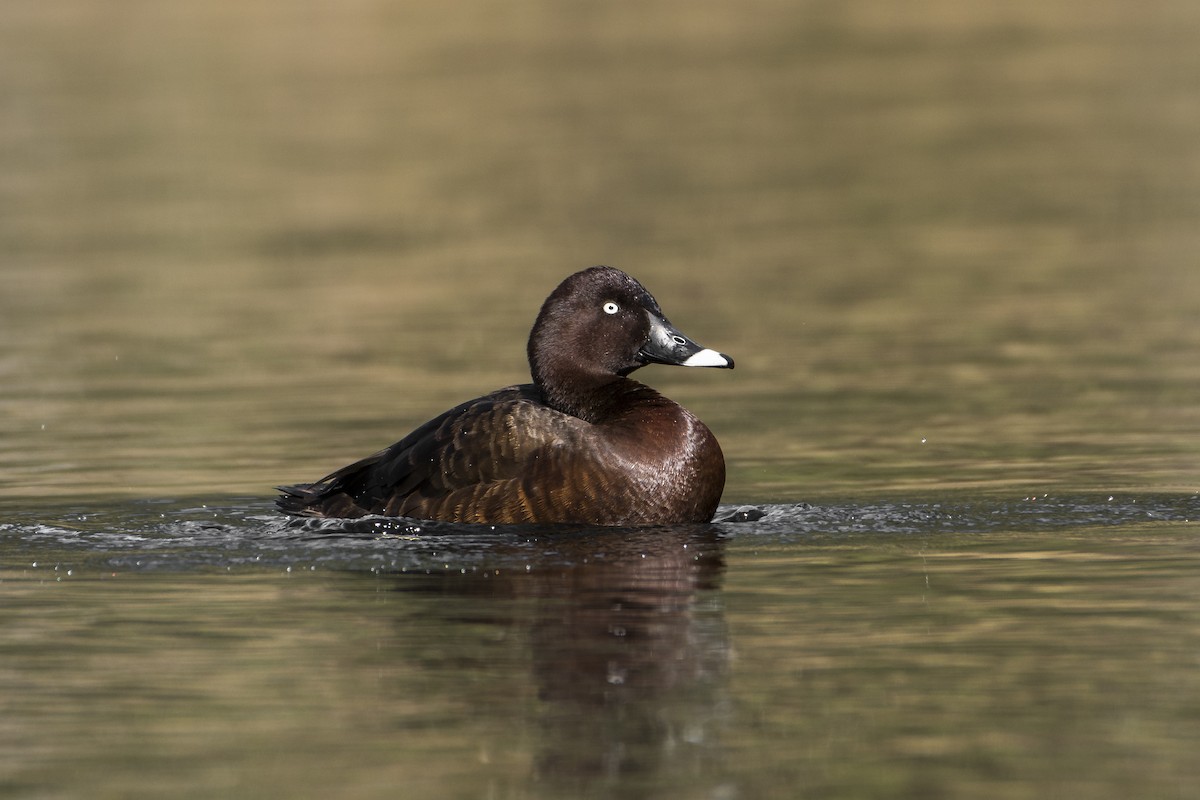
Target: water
<point>890,649</point>
<point>953,251</point>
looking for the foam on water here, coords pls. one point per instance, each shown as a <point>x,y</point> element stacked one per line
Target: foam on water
<point>165,535</point>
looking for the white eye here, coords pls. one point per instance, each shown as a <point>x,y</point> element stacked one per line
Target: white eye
<point>611,308</point>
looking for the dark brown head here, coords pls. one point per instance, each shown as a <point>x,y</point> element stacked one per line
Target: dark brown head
<point>600,325</point>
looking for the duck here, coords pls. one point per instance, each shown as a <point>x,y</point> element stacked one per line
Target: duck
<point>582,444</point>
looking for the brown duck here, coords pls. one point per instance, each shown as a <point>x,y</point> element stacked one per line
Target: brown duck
<point>583,443</point>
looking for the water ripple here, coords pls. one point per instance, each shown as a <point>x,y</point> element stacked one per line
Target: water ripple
<point>161,534</point>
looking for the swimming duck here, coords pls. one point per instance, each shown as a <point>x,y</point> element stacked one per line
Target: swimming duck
<point>583,443</point>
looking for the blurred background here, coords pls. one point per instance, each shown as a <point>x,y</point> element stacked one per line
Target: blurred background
<point>952,247</point>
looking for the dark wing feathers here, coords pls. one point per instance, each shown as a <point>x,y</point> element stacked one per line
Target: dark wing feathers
<point>483,460</point>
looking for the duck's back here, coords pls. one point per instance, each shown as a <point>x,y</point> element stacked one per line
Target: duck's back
<point>509,457</point>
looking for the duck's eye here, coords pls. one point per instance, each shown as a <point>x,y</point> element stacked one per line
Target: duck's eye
<point>611,308</point>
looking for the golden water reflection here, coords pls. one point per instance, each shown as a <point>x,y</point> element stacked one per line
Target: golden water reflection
<point>949,248</point>
<point>604,666</point>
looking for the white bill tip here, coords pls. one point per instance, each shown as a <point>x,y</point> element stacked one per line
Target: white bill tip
<point>706,358</point>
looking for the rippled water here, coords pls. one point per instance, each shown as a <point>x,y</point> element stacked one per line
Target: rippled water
<point>885,649</point>
<point>152,535</point>
<point>951,248</point>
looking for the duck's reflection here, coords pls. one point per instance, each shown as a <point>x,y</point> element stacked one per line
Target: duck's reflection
<point>629,651</point>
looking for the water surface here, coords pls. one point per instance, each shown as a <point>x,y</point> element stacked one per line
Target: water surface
<point>891,649</point>
<point>952,249</point>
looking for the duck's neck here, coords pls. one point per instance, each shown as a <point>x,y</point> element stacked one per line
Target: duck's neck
<point>594,398</point>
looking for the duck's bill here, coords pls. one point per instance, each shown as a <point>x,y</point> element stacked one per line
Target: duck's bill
<point>667,345</point>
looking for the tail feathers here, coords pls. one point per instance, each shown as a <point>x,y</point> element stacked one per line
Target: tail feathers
<point>298,500</point>
<point>317,500</point>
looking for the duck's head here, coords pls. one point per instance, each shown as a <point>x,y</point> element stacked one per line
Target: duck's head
<point>600,324</point>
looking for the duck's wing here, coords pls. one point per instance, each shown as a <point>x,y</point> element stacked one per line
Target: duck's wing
<point>470,464</point>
